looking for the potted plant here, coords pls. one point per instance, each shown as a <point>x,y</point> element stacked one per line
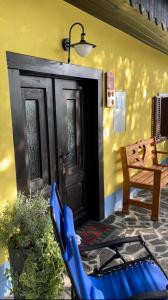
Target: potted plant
<point>36,265</point>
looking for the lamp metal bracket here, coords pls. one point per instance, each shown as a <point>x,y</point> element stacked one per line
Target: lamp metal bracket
<point>65,44</point>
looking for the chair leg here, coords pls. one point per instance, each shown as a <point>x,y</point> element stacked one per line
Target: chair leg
<point>126,196</point>
<point>156,195</point>
<point>73,294</point>
<point>156,205</point>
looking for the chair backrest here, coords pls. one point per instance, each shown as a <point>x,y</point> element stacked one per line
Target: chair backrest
<point>63,225</point>
<point>140,153</point>
<point>56,211</point>
<point>81,282</point>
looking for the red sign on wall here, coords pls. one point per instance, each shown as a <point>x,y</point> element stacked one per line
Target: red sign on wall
<point>110,89</point>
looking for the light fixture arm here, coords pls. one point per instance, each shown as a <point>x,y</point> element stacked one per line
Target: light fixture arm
<point>82,47</point>
<point>69,47</point>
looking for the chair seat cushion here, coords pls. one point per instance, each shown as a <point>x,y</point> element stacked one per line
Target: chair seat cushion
<point>130,281</point>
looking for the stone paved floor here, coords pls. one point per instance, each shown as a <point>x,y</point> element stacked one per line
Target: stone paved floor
<point>137,222</point>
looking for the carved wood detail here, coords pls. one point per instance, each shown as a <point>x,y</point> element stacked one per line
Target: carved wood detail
<point>156,10</point>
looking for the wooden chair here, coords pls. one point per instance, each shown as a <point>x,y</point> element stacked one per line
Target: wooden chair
<point>142,157</point>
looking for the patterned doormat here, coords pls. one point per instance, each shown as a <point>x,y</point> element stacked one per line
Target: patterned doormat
<point>92,232</point>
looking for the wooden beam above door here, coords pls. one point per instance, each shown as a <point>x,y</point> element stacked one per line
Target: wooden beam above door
<point>132,19</point>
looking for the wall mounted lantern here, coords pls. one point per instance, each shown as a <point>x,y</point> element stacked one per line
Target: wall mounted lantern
<point>82,47</point>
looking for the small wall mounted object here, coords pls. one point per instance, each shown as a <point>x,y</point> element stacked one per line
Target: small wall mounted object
<point>119,112</point>
<point>83,48</point>
<point>110,90</point>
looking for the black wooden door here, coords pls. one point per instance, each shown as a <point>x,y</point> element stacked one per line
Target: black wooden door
<point>70,142</point>
<point>31,80</point>
<point>34,131</point>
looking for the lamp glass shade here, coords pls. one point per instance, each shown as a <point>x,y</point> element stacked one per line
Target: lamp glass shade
<point>83,49</point>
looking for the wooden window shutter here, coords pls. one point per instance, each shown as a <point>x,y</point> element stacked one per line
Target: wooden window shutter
<point>160,118</point>
<point>164,117</point>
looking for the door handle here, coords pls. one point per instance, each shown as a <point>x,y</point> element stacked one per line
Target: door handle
<point>64,156</point>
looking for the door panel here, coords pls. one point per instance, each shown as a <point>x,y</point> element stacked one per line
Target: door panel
<point>45,87</point>
<point>33,119</point>
<point>35,129</point>
<point>70,140</point>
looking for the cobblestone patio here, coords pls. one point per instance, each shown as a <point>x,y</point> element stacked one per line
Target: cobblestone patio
<point>137,222</point>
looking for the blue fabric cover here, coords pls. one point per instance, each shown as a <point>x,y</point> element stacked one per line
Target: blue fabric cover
<point>73,259</point>
<point>96,294</point>
<point>57,212</point>
<point>139,278</point>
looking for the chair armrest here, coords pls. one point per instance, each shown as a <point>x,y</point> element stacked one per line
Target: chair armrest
<point>163,165</point>
<point>151,296</point>
<point>162,152</point>
<point>111,244</point>
<point>153,169</point>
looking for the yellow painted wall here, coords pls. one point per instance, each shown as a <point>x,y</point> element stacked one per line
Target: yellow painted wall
<point>36,27</point>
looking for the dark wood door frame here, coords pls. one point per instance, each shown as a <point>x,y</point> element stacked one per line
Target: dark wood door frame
<point>25,64</point>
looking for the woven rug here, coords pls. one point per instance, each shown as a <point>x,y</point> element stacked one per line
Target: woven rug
<point>92,232</point>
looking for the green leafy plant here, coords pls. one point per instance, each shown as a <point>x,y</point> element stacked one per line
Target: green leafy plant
<point>26,227</point>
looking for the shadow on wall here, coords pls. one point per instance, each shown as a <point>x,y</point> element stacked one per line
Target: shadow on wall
<point>141,81</point>
<point>113,202</point>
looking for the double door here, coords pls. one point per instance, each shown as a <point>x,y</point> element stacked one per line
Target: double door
<point>48,127</point>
